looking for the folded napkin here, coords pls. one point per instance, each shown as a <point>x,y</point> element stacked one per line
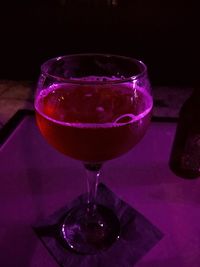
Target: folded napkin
<point>138,235</point>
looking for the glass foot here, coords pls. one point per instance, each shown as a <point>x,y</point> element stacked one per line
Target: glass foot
<point>87,230</point>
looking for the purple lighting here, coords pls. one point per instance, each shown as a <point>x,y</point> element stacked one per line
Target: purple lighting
<point>167,201</point>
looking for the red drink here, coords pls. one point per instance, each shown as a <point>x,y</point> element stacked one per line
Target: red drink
<point>93,123</point>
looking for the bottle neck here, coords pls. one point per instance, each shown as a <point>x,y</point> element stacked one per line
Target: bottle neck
<point>190,108</point>
<point>196,93</point>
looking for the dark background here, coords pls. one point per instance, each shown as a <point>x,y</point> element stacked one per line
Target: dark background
<point>164,34</point>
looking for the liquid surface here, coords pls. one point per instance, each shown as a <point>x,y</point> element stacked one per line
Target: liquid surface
<point>95,104</point>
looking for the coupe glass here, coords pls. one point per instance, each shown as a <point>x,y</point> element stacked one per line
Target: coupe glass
<point>93,108</point>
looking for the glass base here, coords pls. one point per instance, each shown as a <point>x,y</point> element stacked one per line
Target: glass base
<point>88,230</point>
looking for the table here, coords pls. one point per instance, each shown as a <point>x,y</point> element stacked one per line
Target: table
<point>36,180</point>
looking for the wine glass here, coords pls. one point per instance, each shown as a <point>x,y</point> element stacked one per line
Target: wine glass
<point>93,108</point>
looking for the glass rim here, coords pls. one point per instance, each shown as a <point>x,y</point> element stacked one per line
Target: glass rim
<point>139,63</point>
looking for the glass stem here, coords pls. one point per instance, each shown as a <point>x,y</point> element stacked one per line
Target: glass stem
<point>93,173</point>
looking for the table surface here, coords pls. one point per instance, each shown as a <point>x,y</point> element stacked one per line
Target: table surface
<point>36,180</point>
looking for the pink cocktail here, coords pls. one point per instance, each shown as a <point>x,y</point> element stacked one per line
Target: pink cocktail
<point>93,123</point>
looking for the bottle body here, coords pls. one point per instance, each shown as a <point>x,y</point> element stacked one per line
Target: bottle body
<point>185,153</point>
